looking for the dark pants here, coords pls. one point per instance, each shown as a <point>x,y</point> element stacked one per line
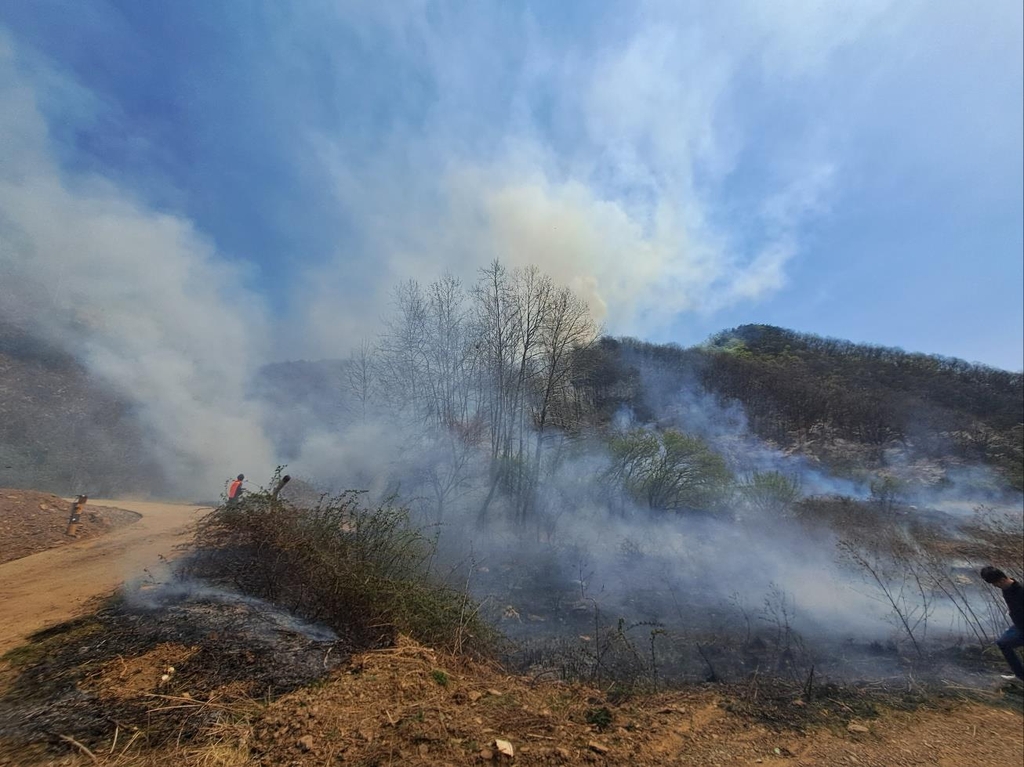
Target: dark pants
<point>1008,643</point>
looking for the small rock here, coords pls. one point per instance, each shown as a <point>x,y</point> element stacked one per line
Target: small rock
<point>857,729</point>
<point>799,703</point>
<point>563,754</point>
<point>306,743</point>
<point>599,748</point>
<point>474,695</point>
<point>495,693</point>
<point>486,754</point>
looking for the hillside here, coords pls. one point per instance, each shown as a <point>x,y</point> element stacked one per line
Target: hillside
<point>62,429</point>
<point>852,406</point>
<point>31,522</point>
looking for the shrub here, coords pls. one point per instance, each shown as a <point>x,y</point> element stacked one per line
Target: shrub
<point>601,718</point>
<point>669,470</point>
<point>364,572</point>
<point>771,492</point>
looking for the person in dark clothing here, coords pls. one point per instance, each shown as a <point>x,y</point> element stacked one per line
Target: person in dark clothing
<point>1013,638</point>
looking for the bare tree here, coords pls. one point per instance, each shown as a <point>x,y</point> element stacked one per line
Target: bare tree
<point>890,564</point>
<point>401,360</point>
<point>447,352</point>
<point>496,345</point>
<point>360,380</point>
<point>496,363</point>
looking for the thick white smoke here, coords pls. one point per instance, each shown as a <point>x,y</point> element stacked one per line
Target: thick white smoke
<point>138,296</point>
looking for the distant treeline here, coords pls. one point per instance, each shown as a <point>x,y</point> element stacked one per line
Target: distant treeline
<point>515,356</point>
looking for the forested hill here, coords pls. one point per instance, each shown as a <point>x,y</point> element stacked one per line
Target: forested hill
<point>803,390</point>
<point>855,408</point>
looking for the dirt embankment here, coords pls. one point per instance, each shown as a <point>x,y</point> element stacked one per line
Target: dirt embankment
<point>57,583</point>
<point>31,522</point>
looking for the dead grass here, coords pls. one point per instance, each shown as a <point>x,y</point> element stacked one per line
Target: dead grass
<point>387,707</point>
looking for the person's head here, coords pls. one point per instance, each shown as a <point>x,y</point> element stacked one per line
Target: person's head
<point>995,576</point>
<point>241,477</point>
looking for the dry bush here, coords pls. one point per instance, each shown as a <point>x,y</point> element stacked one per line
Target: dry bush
<point>914,565</point>
<point>847,517</point>
<point>995,537</point>
<point>365,572</point>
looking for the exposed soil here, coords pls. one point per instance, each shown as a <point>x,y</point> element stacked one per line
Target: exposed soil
<point>31,522</point>
<point>411,706</point>
<point>50,586</point>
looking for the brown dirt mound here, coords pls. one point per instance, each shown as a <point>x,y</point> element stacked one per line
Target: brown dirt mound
<point>31,522</point>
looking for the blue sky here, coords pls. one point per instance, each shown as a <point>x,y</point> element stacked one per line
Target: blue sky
<point>846,169</point>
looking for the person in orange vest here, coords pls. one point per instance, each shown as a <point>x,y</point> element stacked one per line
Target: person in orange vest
<point>235,489</point>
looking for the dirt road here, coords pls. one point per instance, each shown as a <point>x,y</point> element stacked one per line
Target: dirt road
<point>46,588</point>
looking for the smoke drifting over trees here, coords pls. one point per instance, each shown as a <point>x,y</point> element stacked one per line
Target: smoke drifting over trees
<point>574,480</point>
<point>583,485</point>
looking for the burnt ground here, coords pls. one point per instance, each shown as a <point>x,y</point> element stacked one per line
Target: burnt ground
<point>108,675</point>
<point>410,705</point>
<point>251,685</point>
<point>31,522</point>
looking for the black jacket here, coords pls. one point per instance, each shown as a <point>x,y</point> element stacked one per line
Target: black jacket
<point>1014,596</point>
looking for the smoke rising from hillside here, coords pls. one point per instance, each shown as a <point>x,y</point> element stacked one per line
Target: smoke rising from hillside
<point>147,304</point>
<point>137,296</point>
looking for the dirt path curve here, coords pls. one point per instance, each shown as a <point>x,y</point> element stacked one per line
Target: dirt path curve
<point>54,585</point>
